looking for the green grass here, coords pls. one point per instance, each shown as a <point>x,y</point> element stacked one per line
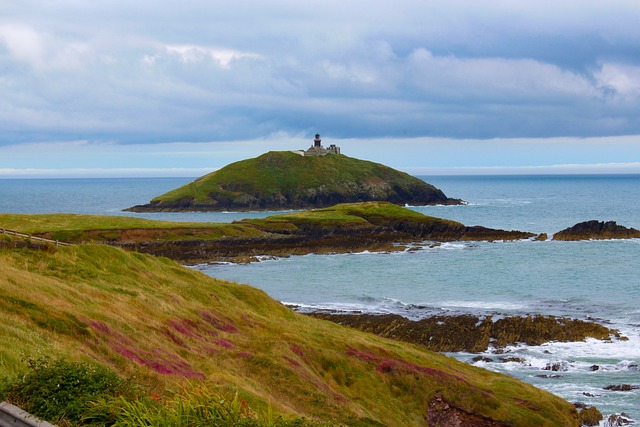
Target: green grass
<point>349,216</point>
<point>172,327</point>
<point>37,223</point>
<point>78,228</point>
<point>75,227</point>
<point>290,176</point>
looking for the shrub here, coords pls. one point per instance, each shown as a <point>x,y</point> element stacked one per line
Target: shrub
<point>60,391</point>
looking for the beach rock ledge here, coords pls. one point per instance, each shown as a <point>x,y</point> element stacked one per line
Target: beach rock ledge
<point>467,332</point>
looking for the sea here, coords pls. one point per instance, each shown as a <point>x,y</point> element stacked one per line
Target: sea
<point>590,280</point>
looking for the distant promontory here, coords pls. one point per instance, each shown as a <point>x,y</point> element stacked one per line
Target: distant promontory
<point>280,180</point>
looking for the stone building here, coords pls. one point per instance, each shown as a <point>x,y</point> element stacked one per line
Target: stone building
<point>318,150</point>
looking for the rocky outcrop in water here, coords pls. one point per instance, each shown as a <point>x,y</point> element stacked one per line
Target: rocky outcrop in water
<point>472,333</point>
<point>326,241</point>
<point>597,230</point>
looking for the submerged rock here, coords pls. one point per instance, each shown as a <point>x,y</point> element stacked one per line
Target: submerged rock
<point>472,333</point>
<point>596,230</point>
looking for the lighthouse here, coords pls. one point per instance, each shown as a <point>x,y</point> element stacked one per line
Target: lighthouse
<point>318,150</point>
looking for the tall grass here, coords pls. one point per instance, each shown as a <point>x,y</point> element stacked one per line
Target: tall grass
<point>192,406</point>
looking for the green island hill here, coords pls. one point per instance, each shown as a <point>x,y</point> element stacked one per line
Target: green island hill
<point>283,180</point>
<point>185,344</point>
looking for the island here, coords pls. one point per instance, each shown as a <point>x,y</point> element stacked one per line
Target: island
<point>304,179</point>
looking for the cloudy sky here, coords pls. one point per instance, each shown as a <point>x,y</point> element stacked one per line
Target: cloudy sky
<point>163,88</point>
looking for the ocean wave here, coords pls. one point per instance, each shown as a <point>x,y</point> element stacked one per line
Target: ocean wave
<point>371,305</point>
<point>483,305</point>
<point>333,307</point>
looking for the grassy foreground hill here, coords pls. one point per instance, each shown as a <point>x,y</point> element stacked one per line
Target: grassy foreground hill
<point>169,326</point>
<point>285,180</point>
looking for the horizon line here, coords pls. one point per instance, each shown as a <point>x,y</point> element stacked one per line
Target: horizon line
<point>130,173</point>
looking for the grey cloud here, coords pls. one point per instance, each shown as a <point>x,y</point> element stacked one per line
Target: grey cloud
<point>207,70</point>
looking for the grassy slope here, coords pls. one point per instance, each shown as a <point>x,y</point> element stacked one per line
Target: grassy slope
<point>276,172</point>
<point>167,323</point>
<point>71,227</point>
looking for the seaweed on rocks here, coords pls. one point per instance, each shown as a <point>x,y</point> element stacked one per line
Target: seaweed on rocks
<point>472,333</point>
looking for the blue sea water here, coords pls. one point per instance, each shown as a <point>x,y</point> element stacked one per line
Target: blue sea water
<point>587,280</point>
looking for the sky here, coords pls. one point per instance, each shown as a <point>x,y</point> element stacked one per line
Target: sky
<point>181,88</point>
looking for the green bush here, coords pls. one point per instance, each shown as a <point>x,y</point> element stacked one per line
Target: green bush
<point>60,391</point>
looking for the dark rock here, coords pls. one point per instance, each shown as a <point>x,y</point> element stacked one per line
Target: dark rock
<point>482,359</point>
<point>537,330</point>
<point>513,360</point>
<point>597,230</point>
<point>621,387</point>
<point>594,368</point>
<point>555,367</point>
<point>442,413</point>
<point>615,420</point>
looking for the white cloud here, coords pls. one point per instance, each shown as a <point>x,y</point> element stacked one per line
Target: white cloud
<point>191,53</point>
<point>41,51</point>
<point>621,78</point>
<point>493,78</point>
<point>24,43</point>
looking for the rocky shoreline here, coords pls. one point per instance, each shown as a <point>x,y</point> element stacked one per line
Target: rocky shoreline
<point>381,237</point>
<point>243,249</point>
<point>473,334</point>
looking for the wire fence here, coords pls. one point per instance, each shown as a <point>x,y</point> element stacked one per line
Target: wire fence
<point>32,238</point>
